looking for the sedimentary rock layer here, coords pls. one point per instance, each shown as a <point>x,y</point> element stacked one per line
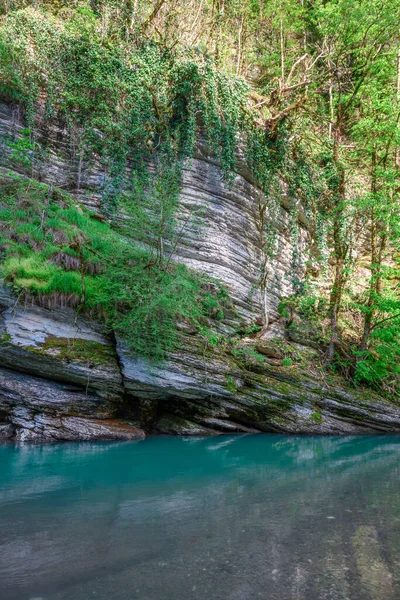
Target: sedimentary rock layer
<point>63,378</point>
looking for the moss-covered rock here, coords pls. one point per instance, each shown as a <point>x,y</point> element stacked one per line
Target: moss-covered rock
<point>77,349</point>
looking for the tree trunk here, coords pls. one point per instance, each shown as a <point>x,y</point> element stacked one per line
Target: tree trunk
<point>378,244</point>
<point>335,303</point>
<point>374,291</point>
<point>340,248</point>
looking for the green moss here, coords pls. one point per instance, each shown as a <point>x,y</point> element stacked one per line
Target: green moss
<point>278,410</point>
<point>76,349</point>
<point>279,386</point>
<point>5,338</point>
<point>316,417</point>
<point>230,384</point>
<point>277,420</point>
<point>350,415</point>
<point>248,358</point>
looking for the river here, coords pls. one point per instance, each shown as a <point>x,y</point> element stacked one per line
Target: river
<point>221,518</point>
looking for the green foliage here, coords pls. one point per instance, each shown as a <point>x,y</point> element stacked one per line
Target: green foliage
<point>287,362</point>
<point>250,329</point>
<point>379,365</point>
<point>139,104</point>
<point>309,304</point>
<point>123,102</point>
<point>57,254</point>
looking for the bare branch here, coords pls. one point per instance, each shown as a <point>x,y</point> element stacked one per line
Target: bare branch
<point>295,64</point>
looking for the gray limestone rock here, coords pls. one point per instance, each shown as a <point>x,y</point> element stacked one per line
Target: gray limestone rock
<point>39,410</point>
<point>214,392</point>
<point>58,345</point>
<point>220,223</point>
<point>87,381</point>
<point>33,427</point>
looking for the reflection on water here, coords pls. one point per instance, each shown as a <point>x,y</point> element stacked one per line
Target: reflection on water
<point>227,518</point>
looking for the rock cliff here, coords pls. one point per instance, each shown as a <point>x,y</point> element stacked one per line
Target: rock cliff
<point>62,378</point>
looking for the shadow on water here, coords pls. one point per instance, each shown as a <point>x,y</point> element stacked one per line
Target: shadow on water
<point>226,518</point>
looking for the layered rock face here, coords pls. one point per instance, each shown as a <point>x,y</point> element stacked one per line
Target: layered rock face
<point>220,224</point>
<point>59,377</point>
<point>62,378</point>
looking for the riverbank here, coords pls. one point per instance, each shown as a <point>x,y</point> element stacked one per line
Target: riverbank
<point>77,389</point>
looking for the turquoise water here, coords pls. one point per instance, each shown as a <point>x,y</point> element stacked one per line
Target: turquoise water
<point>225,518</point>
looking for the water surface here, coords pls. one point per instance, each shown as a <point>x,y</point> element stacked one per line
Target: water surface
<point>226,518</point>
